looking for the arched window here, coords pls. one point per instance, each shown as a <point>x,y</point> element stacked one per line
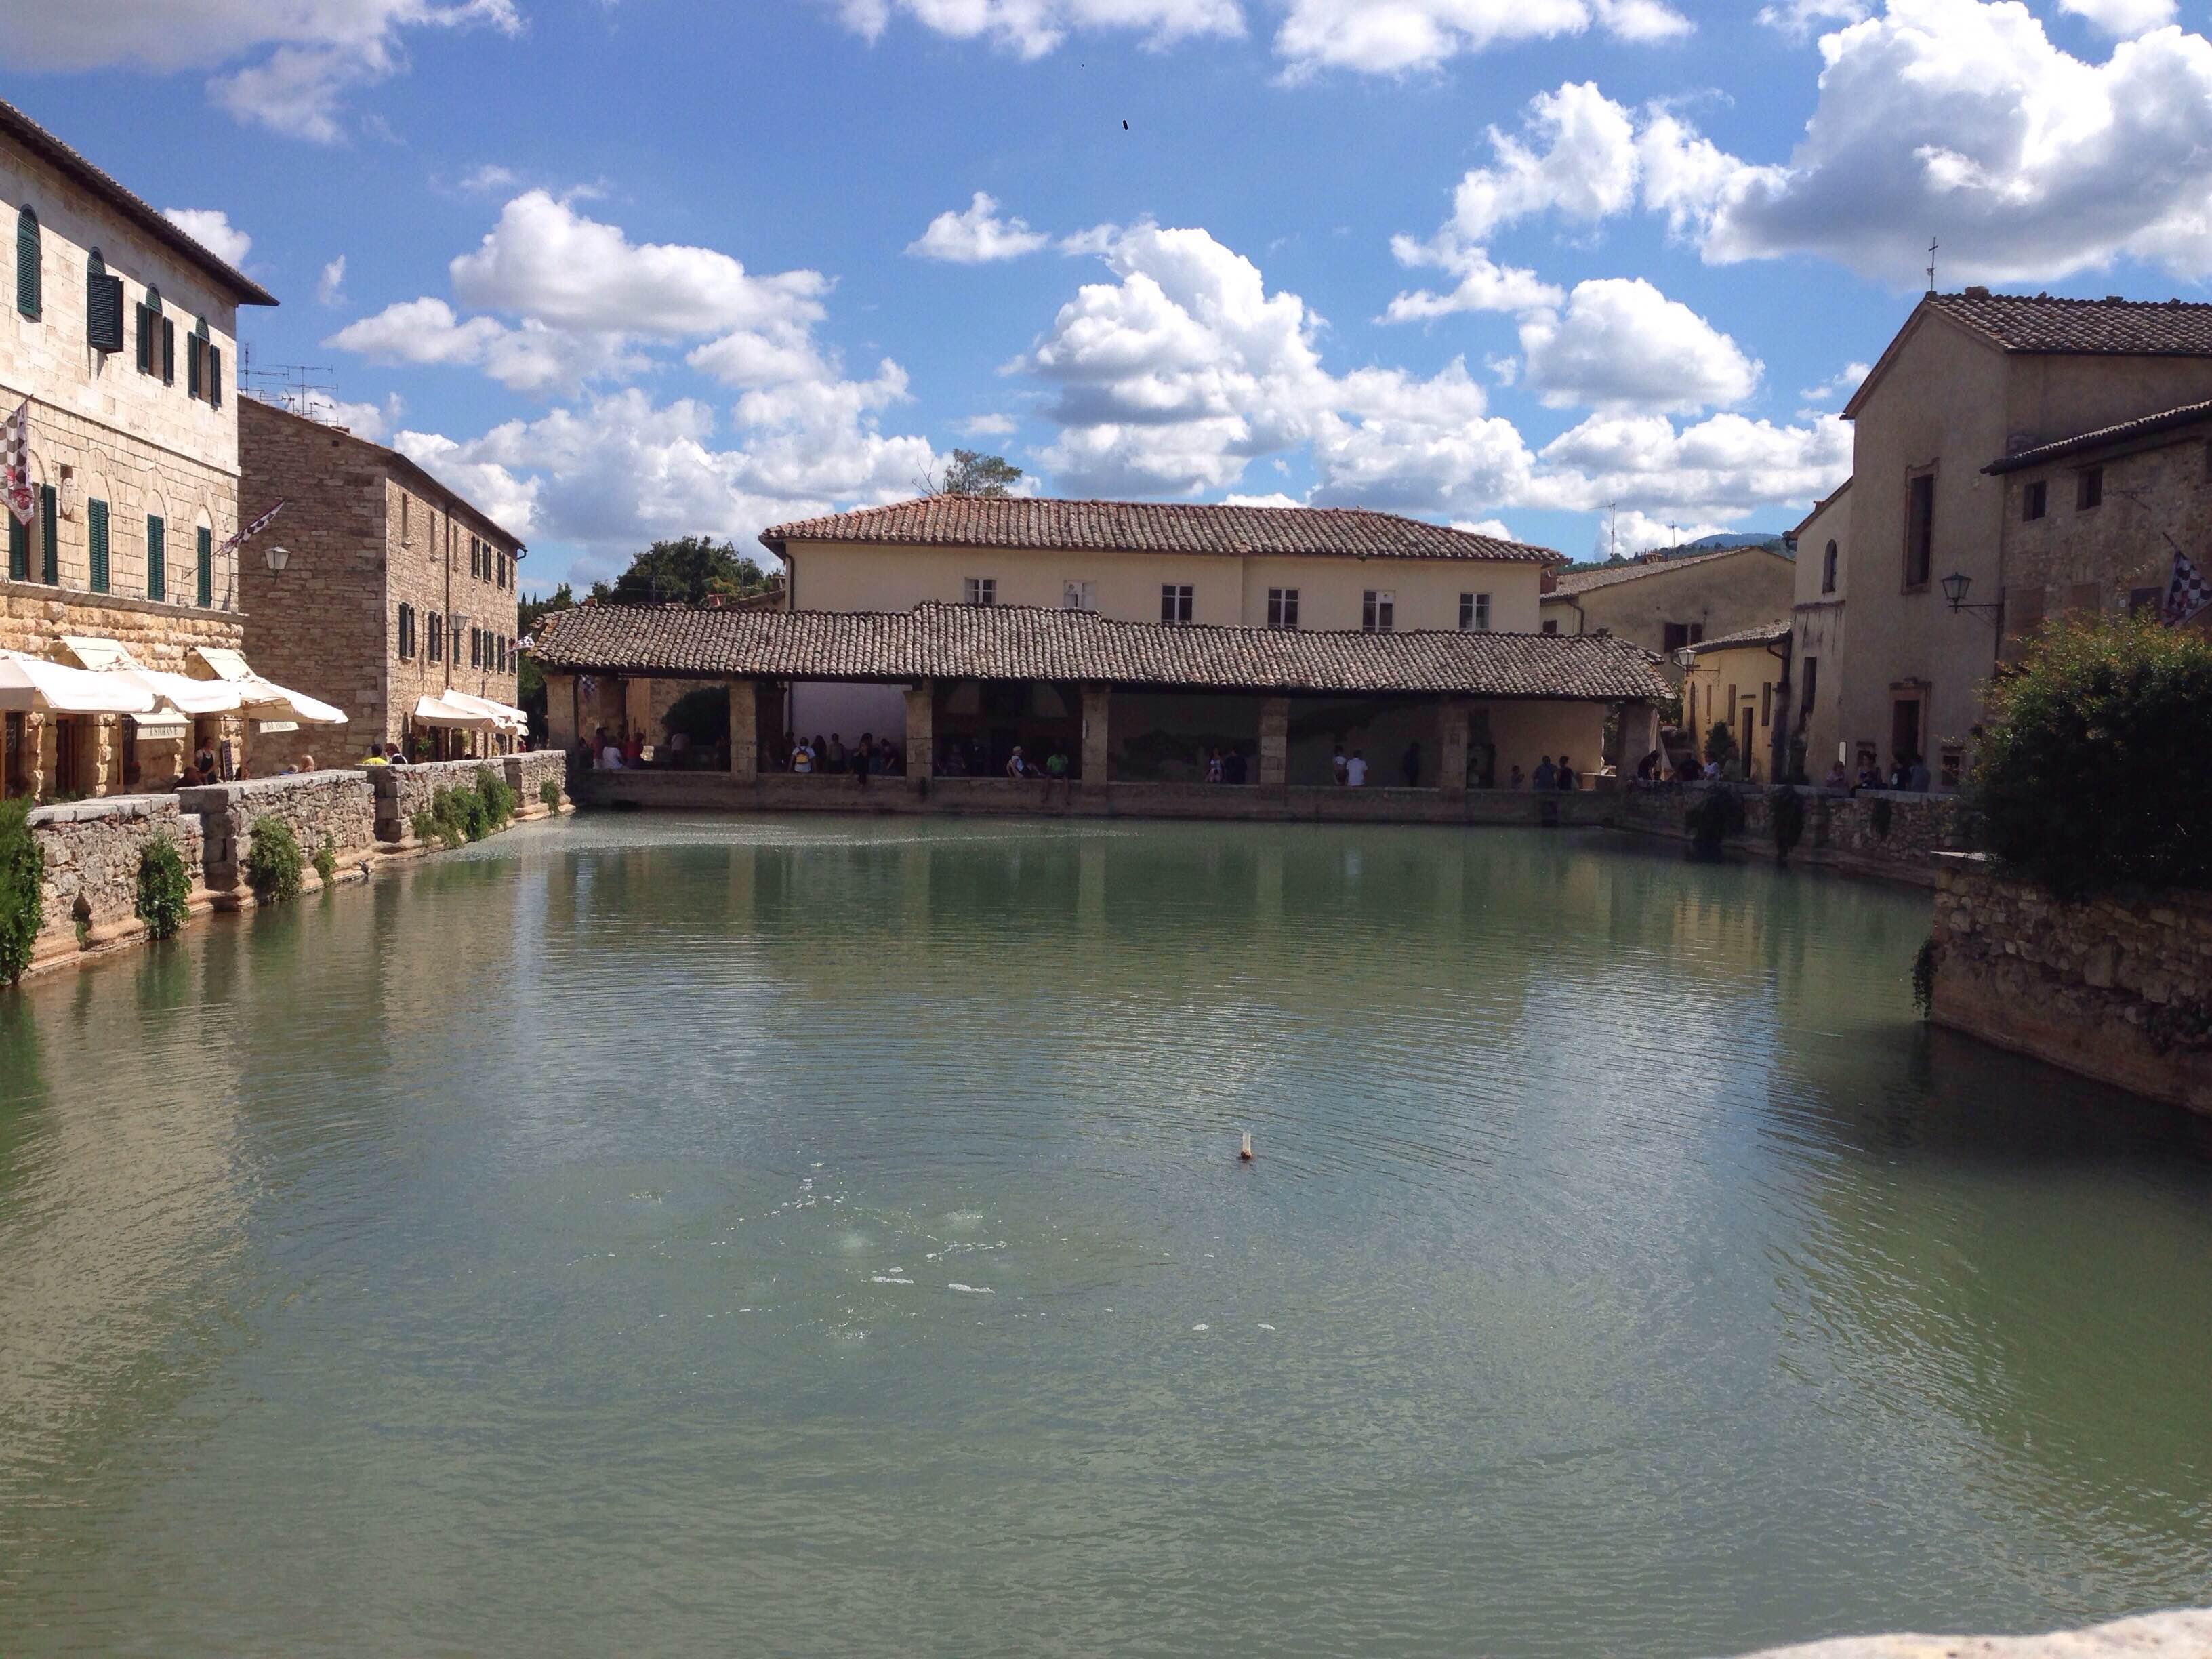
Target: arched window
<point>1828,569</point>
<point>29,292</point>
<point>150,319</point>
<point>103,306</point>
<point>203,366</point>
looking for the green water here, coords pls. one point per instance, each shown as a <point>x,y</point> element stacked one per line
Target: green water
<point>684,1236</point>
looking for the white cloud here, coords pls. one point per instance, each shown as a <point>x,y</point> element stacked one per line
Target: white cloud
<point>1277,499</point>
<point>1799,18</point>
<point>1582,166</point>
<point>1389,37</point>
<point>1845,381</point>
<point>1620,343</point>
<point>1034,27</point>
<point>362,420</point>
<point>976,237</point>
<point>330,288</point>
<point>1484,284</point>
<point>988,426</point>
<point>546,260</point>
<point>316,50</point>
<point>488,179</point>
<point>1635,531</point>
<point>2124,18</point>
<point>212,229</point>
<point>419,331</point>
<point>1492,527</point>
<point>1715,471</point>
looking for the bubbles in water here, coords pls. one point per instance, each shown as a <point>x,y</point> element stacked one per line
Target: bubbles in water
<point>971,1289</point>
<point>1201,1327</point>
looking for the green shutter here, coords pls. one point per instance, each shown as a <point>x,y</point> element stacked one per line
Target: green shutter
<point>214,376</point>
<point>169,352</point>
<point>207,568</point>
<point>103,306</point>
<point>144,318</point>
<point>28,286</point>
<point>95,514</point>
<point>157,558</point>
<point>50,537</point>
<point>19,549</point>
<point>195,348</point>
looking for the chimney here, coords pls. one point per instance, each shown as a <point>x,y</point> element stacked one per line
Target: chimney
<point>1976,291</point>
<point>1550,584</point>
<point>714,602</point>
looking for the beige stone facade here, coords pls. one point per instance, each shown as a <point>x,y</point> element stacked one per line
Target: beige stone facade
<point>1667,604</point>
<point>133,454</point>
<point>1746,686</point>
<point>1817,639</point>
<point>395,587</point>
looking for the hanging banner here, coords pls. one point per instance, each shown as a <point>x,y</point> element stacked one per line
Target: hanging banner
<point>16,456</point>
<point>252,530</point>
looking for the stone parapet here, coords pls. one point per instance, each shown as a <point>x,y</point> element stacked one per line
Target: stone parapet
<point>528,773</point>
<point>1892,834</point>
<point>92,850</point>
<point>313,803</point>
<point>2120,989</point>
<point>2185,1633</point>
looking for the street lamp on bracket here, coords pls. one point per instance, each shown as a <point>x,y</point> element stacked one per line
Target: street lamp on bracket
<point>1956,587</point>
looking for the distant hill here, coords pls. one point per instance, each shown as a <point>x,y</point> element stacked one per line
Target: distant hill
<point>1738,538</point>
<point>1690,550</point>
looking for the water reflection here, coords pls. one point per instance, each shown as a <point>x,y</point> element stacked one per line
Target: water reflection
<point>660,1235</point>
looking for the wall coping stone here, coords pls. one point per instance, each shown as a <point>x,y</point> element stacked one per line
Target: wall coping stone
<point>54,593</point>
<point>220,797</point>
<point>102,806</point>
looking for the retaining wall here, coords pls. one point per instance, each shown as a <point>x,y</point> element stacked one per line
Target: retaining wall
<point>1842,832</point>
<point>92,850</point>
<point>312,804</point>
<point>527,773</point>
<point>2113,989</point>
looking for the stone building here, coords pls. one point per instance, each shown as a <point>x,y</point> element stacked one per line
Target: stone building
<point>120,331</point>
<point>1970,379</point>
<point>2091,523</point>
<point>395,591</point>
<point>1741,679</point>
<point>1666,605</point>
<point>1814,719</point>
<point>1331,569</point>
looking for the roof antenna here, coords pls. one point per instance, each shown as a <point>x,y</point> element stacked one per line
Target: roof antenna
<point>1931,265</point>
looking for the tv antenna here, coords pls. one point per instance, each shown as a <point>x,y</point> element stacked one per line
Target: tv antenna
<point>1931,263</point>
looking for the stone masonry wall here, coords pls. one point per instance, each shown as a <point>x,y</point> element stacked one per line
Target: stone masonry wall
<point>2116,989</point>
<point>313,805</point>
<point>527,773</point>
<point>1842,832</point>
<point>92,850</point>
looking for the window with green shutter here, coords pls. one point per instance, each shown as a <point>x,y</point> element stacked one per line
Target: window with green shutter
<point>214,375</point>
<point>195,361</point>
<point>19,549</point>
<point>169,352</point>
<point>103,306</point>
<point>50,537</point>
<point>206,588</point>
<point>150,321</point>
<point>95,517</point>
<point>29,293</point>
<point>157,558</point>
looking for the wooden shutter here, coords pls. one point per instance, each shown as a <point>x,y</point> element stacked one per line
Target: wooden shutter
<point>19,549</point>
<point>206,587</point>
<point>103,306</point>
<point>95,514</point>
<point>214,376</point>
<point>50,539</point>
<point>169,352</point>
<point>144,318</point>
<point>195,365</point>
<point>28,290</point>
<point>157,558</point>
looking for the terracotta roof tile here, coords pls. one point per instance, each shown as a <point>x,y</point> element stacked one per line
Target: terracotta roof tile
<point>1151,527</point>
<point>1764,633</point>
<point>1015,642</point>
<point>2037,323</point>
<point>2144,426</point>
<point>1571,582</point>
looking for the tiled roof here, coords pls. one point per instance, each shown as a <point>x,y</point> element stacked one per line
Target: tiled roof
<point>17,128</point>
<point>1151,527</point>
<point>1015,642</point>
<point>2023,322</point>
<point>1571,582</point>
<point>1764,633</point>
<point>2143,425</point>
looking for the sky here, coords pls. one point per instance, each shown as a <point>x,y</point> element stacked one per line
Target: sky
<point>1588,273</point>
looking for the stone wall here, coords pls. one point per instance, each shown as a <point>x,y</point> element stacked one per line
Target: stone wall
<point>527,773</point>
<point>401,792</point>
<point>2116,989</point>
<point>313,803</point>
<point>92,850</point>
<point>1842,832</point>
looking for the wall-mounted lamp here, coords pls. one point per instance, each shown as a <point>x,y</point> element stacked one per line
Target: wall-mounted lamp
<point>278,557</point>
<point>1956,587</point>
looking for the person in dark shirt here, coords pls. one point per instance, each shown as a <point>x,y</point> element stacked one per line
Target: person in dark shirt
<point>1410,764</point>
<point>1233,767</point>
<point>1567,778</point>
<point>1547,775</point>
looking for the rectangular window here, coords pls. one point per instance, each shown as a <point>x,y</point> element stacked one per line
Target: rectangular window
<point>2141,599</point>
<point>18,550</point>
<point>406,632</point>
<point>204,587</point>
<point>142,316</point>
<point>2034,501</point>
<point>1551,626</point>
<point>214,376</point>
<point>1812,682</point>
<point>1378,611</point>
<point>1766,705</point>
<point>437,637</point>
<point>1674,636</point>
<point>1282,607</point>
<point>1952,766</point>
<point>49,536</point>
<point>503,568</point>
<point>95,527</point>
<point>1919,532</point>
<point>169,352</point>
<point>157,558</point>
<point>195,366</point>
<point>1475,613</point>
<point>2088,489</point>
<point>1079,596</point>
<point>1175,602</point>
<point>982,590</point>
<point>476,558</point>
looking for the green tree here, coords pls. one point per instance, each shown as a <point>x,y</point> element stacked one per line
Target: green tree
<point>687,571</point>
<point>970,472</point>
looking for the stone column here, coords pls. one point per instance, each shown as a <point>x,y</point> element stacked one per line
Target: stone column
<point>1274,742</point>
<point>1451,760</point>
<point>745,730</point>
<point>637,706</point>
<point>922,730</point>
<point>1640,735</point>
<point>1096,699</point>
<point>39,754</point>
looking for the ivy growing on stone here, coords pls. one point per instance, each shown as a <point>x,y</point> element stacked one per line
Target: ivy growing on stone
<point>274,864</point>
<point>164,889</point>
<point>22,881</point>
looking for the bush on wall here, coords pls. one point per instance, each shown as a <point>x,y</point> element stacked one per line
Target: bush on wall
<point>22,898</point>
<point>165,891</point>
<point>2094,771</point>
<point>274,864</point>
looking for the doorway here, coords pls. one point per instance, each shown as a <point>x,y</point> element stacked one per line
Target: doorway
<point>1904,730</point>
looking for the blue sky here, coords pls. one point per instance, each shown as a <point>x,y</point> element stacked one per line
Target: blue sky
<point>623,269</point>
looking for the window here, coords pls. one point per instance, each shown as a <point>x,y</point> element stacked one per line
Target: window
<point>1079,596</point>
<point>476,648</point>
<point>437,637</point>
<point>157,558</point>
<point>1674,636</point>
<point>982,590</point>
<point>406,632</point>
<point>203,366</point>
<point>1812,680</point>
<point>103,306</point>
<point>50,537</point>
<point>1919,532</point>
<point>503,568</point>
<point>2141,599</point>
<point>18,550</point>
<point>95,526</point>
<point>2088,489</point>
<point>150,319</point>
<point>1282,607</point>
<point>1551,626</point>
<point>1953,764</point>
<point>205,586</point>
<point>1828,569</point>
<point>29,292</point>
<point>1175,603</point>
<point>2034,501</point>
<point>1378,609</point>
<point>1475,613</point>
<point>476,558</point>
<point>1766,705</point>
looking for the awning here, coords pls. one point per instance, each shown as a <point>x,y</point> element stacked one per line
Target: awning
<point>264,700</point>
<point>32,683</point>
<point>95,653</point>
<point>226,663</point>
<point>183,693</point>
<point>449,710</point>
<point>505,717</point>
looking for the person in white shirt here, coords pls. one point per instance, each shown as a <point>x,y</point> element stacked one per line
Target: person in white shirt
<point>1355,769</point>
<point>802,758</point>
<point>1338,765</point>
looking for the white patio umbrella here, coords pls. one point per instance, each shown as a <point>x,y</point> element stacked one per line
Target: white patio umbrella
<point>504,716</point>
<point>32,683</point>
<point>181,692</point>
<point>455,711</point>
<point>264,699</point>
